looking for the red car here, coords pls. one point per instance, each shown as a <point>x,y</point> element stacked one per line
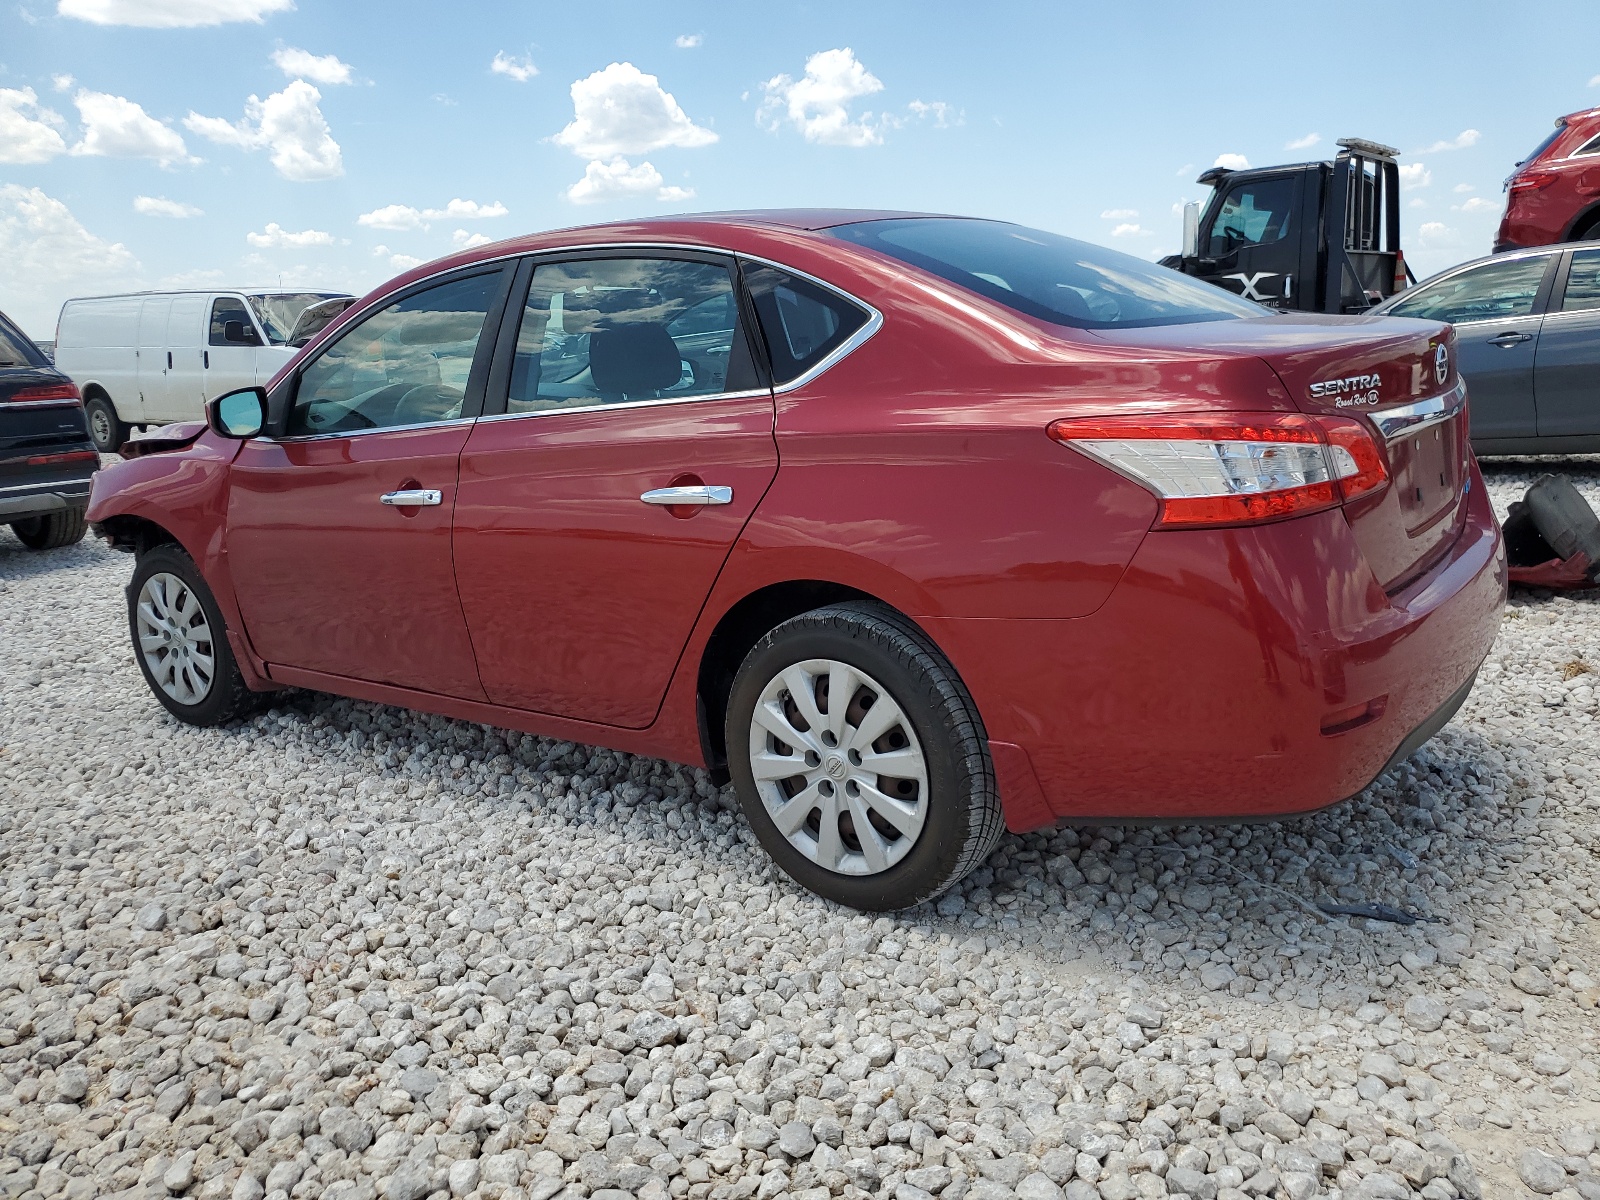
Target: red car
<point>1554,194</point>
<point>918,527</point>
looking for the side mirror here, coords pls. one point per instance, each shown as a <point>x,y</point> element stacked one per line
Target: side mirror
<point>237,333</point>
<point>1191,229</point>
<point>241,414</point>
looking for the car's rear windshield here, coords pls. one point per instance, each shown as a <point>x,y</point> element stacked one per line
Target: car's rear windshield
<point>16,350</point>
<point>1047,276</point>
<point>1561,127</point>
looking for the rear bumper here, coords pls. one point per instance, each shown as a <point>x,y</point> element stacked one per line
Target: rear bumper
<point>19,503</point>
<point>1238,673</point>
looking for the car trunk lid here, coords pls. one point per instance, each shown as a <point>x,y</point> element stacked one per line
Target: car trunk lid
<point>1398,377</point>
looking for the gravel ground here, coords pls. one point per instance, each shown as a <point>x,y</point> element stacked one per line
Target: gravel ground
<point>347,951</point>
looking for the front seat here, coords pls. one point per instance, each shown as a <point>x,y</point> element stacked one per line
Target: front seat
<point>633,362</point>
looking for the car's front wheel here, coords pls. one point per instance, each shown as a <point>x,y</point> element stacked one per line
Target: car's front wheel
<point>51,531</point>
<point>860,760</point>
<point>181,642</point>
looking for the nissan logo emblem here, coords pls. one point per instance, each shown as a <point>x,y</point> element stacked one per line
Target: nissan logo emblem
<point>1441,362</point>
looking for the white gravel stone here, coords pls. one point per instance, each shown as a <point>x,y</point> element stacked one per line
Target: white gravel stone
<point>398,954</point>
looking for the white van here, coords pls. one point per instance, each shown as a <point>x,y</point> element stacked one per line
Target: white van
<point>155,357</point>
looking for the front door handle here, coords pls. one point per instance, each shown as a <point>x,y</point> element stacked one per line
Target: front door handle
<point>1504,340</point>
<point>412,498</point>
<point>700,493</point>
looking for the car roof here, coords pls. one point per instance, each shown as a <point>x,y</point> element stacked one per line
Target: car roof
<point>223,291</point>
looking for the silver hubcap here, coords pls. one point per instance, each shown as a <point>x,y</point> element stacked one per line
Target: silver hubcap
<point>100,426</point>
<point>838,767</point>
<point>175,638</point>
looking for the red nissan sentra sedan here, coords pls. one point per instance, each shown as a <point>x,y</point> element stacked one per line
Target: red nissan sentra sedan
<point>917,527</point>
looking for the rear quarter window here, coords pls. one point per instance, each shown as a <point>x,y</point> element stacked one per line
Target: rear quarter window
<point>802,322</point>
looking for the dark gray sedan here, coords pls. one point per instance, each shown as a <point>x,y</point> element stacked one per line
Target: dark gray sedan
<point>1528,339</point>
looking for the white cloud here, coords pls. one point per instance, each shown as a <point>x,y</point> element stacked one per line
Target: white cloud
<point>62,83</point>
<point>1595,82</point>
<point>1232,162</point>
<point>302,64</point>
<point>1415,175</point>
<point>818,103</point>
<point>403,216</point>
<point>521,68</point>
<point>942,114</point>
<point>400,262</point>
<point>289,123</point>
<point>1303,143</point>
<point>463,240</point>
<point>1417,202</point>
<point>277,236</point>
<point>1435,233</point>
<point>1467,137</point>
<point>1128,230</point>
<point>1462,189</point>
<point>687,41</point>
<point>1476,204</point>
<point>618,179</point>
<point>115,127</point>
<point>621,110</point>
<point>171,14</point>
<point>46,256</point>
<point>160,206</point>
<point>29,133</point>
<point>1118,214</point>
<point>1185,169</point>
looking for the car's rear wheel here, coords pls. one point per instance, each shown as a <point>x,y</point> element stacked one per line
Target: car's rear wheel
<point>51,531</point>
<point>180,640</point>
<point>106,429</point>
<point>860,760</point>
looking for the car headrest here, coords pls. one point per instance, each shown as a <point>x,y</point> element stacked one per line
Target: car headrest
<point>631,359</point>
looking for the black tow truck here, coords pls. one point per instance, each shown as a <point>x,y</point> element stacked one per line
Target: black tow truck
<point>1307,237</point>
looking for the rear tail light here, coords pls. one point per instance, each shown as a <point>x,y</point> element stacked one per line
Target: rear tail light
<point>46,391</point>
<point>43,460</point>
<point>1235,471</point>
<point>1531,181</point>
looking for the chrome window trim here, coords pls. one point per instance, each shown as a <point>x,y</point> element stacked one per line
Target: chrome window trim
<point>349,433</point>
<point>748,394</point>
<point>1405,420</point>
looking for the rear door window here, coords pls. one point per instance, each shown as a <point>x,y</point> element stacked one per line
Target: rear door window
<point>1583,282</point>
<point>1495,291</point>
<point>801,322</point>
<point>624,330</point>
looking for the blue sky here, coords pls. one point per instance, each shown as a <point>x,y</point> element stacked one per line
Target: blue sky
<point>381,133</point>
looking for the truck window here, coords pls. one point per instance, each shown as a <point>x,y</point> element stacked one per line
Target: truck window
<point>1252,214</point>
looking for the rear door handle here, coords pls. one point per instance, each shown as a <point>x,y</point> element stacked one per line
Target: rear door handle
<point>700,493</point>
<point>1510,339</point>
<point>412,498</point>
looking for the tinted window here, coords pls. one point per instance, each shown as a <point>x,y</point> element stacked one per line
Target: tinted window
<point>801,322</point>
<point>15,349</point>
<point>1592,146</point>
<point>1044,275</point>
<point>1583,282</point>
<point>1491,292</point>
<point>1252,214</point>
<point>613,330</point>
<point>1561,127</point>
<point>228,308</point>
<point>405,365</point>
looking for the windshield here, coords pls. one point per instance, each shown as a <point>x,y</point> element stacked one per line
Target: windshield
<point>277,312</point>
<point>1047,276</point>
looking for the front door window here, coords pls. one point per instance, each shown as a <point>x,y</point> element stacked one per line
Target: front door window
<point>1496,291</point>
<point>1252,214</point>
<point>407,364</point>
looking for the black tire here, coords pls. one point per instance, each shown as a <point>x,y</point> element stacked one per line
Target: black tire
<point>962,821</point>
<point>227,697</point>
<point>51,531</point>
<point>107,430</point>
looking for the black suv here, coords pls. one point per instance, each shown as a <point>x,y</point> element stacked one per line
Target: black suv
<point>46,457</point>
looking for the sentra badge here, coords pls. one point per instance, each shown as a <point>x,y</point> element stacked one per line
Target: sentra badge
<point>1347,392</point>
